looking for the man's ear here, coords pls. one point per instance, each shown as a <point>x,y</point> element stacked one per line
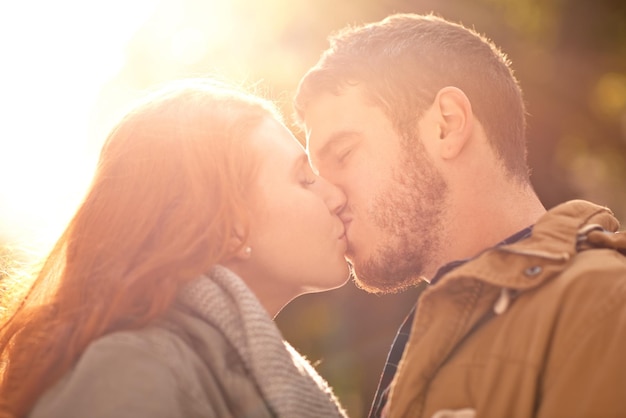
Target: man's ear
<point>455,119</point>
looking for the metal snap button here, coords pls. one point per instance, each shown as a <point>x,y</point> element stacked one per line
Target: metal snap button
<point>533,271</point>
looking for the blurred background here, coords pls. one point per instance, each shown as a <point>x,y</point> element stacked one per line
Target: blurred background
<point>70,68</point>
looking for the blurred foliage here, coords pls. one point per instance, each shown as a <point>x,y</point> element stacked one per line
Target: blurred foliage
<point>569,55</point>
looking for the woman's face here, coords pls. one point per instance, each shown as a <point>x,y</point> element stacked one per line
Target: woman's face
<point>297,239</point>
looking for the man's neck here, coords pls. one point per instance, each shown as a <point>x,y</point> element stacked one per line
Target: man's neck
<point>483,222</point>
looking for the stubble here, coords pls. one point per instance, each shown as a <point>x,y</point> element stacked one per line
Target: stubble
<point>409,213</point>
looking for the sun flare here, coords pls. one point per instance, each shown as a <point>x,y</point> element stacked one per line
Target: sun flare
<point>60,95</point>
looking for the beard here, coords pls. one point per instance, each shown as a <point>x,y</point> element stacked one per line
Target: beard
<point>410,213</point>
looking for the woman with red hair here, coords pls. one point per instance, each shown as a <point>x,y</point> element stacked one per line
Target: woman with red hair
<point>202,221</point>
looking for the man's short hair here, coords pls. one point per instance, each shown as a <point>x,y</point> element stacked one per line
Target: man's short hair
<point>402,62</point>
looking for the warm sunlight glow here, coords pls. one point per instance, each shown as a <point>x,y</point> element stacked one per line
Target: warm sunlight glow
<point>57,56</point>
<point>71,67</point>
<point>188,45</point>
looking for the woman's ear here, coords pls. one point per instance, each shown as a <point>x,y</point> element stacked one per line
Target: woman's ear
<point>456,121</point>
<point>238,243</point>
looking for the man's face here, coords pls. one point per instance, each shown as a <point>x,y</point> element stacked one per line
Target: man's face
<point>395,196</point>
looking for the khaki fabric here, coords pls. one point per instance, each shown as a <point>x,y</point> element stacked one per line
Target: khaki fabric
<point>532,329</point>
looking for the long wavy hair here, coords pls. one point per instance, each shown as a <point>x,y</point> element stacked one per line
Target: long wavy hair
<point>171,182</point>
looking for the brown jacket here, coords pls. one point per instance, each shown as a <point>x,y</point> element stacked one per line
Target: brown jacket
<point>533,329</point>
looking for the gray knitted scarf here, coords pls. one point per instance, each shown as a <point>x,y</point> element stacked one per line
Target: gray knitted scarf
<point>290,385</point>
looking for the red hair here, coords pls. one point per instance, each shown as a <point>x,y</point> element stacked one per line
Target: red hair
<point>170,185</point>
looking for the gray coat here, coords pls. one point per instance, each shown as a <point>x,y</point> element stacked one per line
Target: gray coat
<point>183,368</point>
<point>217,353</point>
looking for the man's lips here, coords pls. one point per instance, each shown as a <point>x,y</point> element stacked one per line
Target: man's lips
<point>343,233</point>
<point>345,220</point>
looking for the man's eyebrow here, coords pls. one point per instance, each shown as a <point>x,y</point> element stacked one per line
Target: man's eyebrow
<point>333,140</point>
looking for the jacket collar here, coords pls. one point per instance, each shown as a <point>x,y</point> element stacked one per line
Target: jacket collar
<point>554,240</point>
